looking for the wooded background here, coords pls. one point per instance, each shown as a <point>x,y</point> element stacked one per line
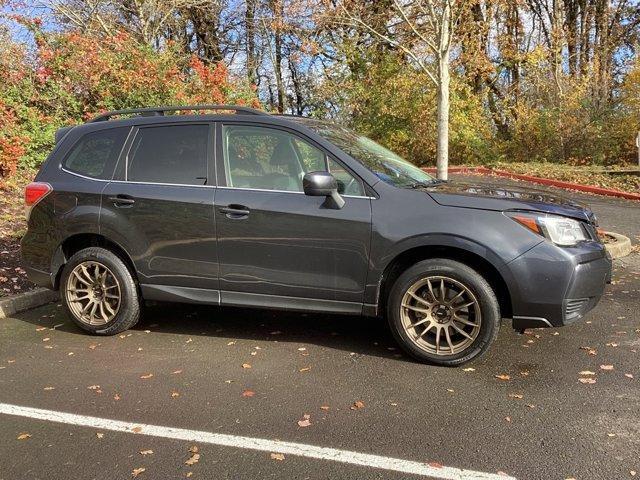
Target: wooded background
<point>526,80</point>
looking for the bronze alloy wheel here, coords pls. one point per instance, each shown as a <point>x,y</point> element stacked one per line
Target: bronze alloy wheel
<point>93,293</point>
<point>440,315</point>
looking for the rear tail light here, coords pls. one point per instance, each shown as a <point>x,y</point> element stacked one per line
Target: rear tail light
<point>33,193</point>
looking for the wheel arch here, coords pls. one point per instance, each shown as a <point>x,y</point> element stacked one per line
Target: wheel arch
<point>470,257</point>
<point>74,243</point>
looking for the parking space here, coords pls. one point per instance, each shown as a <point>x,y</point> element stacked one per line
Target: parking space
<point>555,403</point>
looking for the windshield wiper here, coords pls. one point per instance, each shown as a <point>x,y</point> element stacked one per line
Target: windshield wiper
<point>433,182</point>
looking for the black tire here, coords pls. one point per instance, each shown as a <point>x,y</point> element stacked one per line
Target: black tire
<point>474,282</point>
<point>128,313</point>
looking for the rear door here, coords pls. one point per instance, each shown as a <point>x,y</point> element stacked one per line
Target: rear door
<point>278,247</point>
<point>160,207</point>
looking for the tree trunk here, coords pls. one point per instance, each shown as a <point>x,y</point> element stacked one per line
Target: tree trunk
<point>250,30</point>
<point>442,154</point>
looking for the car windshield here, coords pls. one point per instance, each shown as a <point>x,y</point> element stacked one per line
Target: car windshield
<point>386,165</point>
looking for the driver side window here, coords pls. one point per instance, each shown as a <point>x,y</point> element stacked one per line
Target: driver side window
<point>267,159</point>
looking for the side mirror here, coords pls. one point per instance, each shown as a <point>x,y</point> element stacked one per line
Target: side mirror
<point>322,184</point>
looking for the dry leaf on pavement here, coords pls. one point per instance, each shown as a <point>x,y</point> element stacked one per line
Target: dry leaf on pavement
<point>277,456</point>
<point>248,393</point>
<point>148,375</point>
<point>357,404</point>
<point>606,367</point>
<point>305,422</point>
<point>137,471</point>
<point>193,460</point>
<point>587,380</point>
<point>502,377</point>
<point>246,365</point>
<point>146,452</point>
<point>24,436</point>
<point>587,372</point>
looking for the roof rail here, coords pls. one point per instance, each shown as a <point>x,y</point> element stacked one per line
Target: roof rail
<point>160,111</point>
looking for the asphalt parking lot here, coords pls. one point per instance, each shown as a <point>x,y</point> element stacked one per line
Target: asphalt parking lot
<point>323,381</point>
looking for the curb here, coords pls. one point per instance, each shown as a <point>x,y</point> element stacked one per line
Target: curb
<point>621,248</point>
<point>25,301</point>
<point>609,192</point>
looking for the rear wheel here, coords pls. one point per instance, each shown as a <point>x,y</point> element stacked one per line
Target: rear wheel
<point>443,312</point>
<point>99,293</point>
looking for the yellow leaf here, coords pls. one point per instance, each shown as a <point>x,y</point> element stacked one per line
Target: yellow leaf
<point>277,456</point>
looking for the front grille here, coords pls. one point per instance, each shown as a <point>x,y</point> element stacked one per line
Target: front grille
<point>574,307</point>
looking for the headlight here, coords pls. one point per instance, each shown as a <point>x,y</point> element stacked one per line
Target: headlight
<point>562,231</point>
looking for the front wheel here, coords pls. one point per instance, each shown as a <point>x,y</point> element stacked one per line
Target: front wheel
<point>443,312</point>
<point>99,293</point>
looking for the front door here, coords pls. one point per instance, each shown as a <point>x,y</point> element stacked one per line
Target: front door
<point>161,209</point>
<point>278,247</point>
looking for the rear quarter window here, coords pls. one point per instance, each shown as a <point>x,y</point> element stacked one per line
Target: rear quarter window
<point>95,154</point>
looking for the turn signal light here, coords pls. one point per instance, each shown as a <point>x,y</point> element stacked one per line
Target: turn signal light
<point>528,222</point>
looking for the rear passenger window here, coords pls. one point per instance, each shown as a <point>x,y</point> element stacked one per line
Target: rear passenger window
<point>172,154</point>
<point>96,154</point>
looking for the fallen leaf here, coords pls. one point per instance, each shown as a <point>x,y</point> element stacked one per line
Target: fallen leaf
<point>502,377</point>
<point>612,344</point>
<point>194,449</point>
<point>94,387</point>
<point>49,388</point>
<point>606,367</point>
<point>587,380</point>
<point>230,343</point>
<point>515,395</point>
<point>137,471</point>
<point>324,407</point>
<point>305,369</point>
<point>450,390</point>
<point>435,465</point>
<point>116,397</point>
<point>246,365</point>
<point>174,394</point>
<point>39,329</point>
<point>193,460</point>
<point>176,372</point>
<point>92,346</point>
<point>357,405</point>
<point>46,339</point>
<point>24,436</point>
<point>305,422</point>
<point>469,369</point>
<point>628,375</point>
<point>508,419</point>
<point>148,375</point>
<point>530,405</point>
<point>611,434</point>
<point>136,429</point>
<point>248,393</point>
<point>301,349</point>
<point>100,435</point>
<point>146,452</point>
<point>587,372</point>
<point>277,456</point>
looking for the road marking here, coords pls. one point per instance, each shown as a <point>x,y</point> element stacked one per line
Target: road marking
<point>250,443</point>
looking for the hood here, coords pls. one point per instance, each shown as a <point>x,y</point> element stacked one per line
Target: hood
<point>492,196</point>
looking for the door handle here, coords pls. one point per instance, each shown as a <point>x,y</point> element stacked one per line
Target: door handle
<point>122,200</point>
<point>235,212</point>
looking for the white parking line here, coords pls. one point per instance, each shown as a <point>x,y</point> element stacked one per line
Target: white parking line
<point>250,443</point>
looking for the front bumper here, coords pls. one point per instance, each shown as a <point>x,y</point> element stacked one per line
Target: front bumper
<point>557,286</point>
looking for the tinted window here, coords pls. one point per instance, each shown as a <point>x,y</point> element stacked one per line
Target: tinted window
<point>267,158</point>
<point>347,183</point>
<point>172,154</point>
<point>96,154</point>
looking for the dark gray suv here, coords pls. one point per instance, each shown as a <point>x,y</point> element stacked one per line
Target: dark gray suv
<point>249,209</point>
